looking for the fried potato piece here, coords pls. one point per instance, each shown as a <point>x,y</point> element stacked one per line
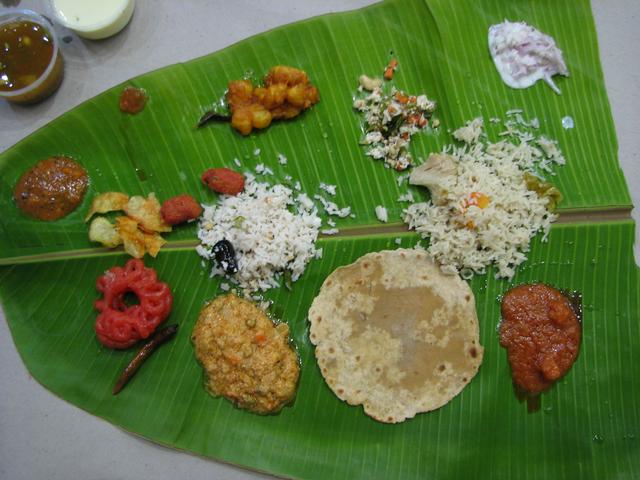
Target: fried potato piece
<point>107,202</point>
<point>288,75</point>
<point>146,211</point>
<point>103,231</point>
<point>139,230</point>
<point>287,91</point>
<point>132,237</point>
<point>153,242</point>
<point>272,96</point>
<point>301,94</point>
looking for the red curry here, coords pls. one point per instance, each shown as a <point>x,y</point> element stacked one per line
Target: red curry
<point>51,189</point>
<point>541,332</point>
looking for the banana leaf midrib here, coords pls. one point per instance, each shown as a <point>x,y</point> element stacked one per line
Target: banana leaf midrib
<point>574,216</point>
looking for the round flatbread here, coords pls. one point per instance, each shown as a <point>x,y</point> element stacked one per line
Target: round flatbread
<point>395,334</point>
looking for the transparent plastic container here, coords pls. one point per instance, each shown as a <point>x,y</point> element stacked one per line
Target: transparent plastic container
<point>93,19</point>
<point>48,81</point>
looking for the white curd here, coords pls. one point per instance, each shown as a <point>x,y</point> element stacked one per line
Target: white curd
<point>524,55</point>
<point>94,19</point>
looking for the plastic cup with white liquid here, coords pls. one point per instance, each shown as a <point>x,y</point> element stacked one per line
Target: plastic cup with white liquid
<point>94,19</point>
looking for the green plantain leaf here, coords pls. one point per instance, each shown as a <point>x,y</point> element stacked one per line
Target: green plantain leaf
<point>442,50</point>
<point>484,431</point>
<point>588,424</point>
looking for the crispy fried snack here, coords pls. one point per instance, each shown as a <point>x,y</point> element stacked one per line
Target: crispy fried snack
<point>103,231</point>
<point>107,202</point>
<point>146,211</point>
<point>286,92</point>
<point>139,230</point>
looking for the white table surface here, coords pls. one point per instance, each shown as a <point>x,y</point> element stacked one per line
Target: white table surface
<point>42,436</point>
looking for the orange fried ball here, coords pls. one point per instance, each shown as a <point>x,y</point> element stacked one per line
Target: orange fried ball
<point>286,92</point>
<point>180,209</point>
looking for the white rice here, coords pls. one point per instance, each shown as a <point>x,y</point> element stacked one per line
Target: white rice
<point>261,169</point>
<point>402,178</point>
<point>331,208</point>
<point>405,197</point>
<point>330,189</point>
<point>381,214</point>
<point>471,132</point>
<point>271,231</point>
<point>465,238</point>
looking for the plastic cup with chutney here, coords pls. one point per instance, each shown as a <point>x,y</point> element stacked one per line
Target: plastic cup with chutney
<point>30,59</point>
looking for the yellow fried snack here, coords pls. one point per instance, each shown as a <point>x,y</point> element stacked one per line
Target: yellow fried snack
<point>107,202</point>
<point>103,231</point>
<point>139,230</point>
<point>153,242</point>
<point>132,236</point>
<point>286,92</point>
<point>146,211</point>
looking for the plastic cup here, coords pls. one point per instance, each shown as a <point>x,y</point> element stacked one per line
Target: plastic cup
<point>94,19</point>
<point>49,80</point>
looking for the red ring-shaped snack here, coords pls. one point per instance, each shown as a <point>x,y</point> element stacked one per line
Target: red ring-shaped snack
<point>119,325</point>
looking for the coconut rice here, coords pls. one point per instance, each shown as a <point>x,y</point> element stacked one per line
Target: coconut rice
<point>272,229</point>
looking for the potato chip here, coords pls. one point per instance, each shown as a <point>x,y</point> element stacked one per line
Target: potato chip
<point>107,202</point>
<point>103,231</point>
<point>153,242</point>
<point>138,230</point>
<point>146,211</point>
<point>132,236</point>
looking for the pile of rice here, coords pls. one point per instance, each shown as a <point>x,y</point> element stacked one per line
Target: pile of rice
<point>465,238</point>
<point>272,230</point>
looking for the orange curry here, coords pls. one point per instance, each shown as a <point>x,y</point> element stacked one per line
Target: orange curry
<point>541,332</point>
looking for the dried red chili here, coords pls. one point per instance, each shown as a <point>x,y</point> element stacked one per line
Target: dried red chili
<point>120,325</point>
<point>145,352</point>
